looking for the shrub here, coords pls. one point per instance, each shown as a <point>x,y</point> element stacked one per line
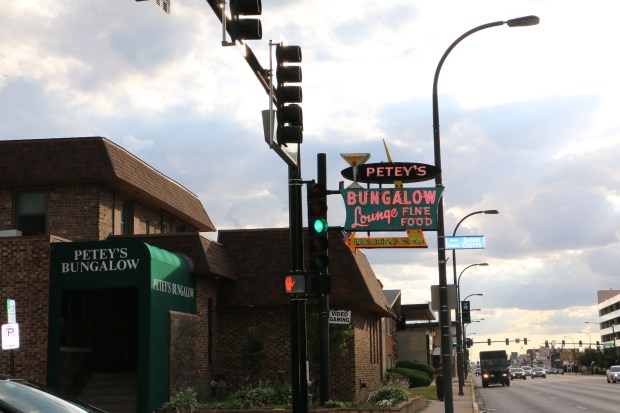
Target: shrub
<point>182,400</point>
<point>416,378</point>
<point>263,395</point>
<point>389,395</point>
<point>416,365</point>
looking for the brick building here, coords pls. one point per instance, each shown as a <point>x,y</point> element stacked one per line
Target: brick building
<point>105,260</point>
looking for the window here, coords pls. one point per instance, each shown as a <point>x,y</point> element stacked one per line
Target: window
<point>30,212</point>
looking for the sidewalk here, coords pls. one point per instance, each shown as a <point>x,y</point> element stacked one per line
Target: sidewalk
<point>462,404</point>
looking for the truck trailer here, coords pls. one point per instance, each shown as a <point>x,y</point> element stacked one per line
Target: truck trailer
<point>494,368</point>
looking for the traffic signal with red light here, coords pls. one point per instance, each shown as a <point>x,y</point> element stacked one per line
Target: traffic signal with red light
<point>546,343</point>
<point>317,227</point>
<point>289,115</point>
<point>242,28</point>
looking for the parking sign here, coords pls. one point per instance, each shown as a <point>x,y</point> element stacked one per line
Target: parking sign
<point>10,336</point>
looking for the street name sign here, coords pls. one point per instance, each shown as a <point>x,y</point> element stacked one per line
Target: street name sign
<point>465,242</point>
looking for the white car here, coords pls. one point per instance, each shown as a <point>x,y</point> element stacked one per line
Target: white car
<point>613,374</point>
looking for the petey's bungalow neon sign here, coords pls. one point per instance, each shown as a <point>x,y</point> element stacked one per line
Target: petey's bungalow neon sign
<point>391,209</point>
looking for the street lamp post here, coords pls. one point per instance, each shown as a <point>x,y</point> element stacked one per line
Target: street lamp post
<point>457,313</point>
<point>459,322</point>
<point>444,310</point>
<point>466,357</point>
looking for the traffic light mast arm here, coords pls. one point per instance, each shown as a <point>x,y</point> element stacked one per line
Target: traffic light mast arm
<point>218,7</point>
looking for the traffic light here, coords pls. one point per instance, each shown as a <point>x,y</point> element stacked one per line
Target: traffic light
<point>563,343</point>
<point>469,342</point>
<point>580,344</point>
<point>525,341</point>
<point>507,341</point>
<point>547,343</point>
<point>598,345</point>
<point>489,341</point>
<point>295,283</point>
<point>465,312</point>
<point>289,114</point>
<point>242,28</point>
<point>317,227</point>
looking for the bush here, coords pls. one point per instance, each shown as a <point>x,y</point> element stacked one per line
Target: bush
<point>389,395</point>
<point>416,365</point>
<point>416,378</point>
<point>182,400</point>
<point>263,395</point>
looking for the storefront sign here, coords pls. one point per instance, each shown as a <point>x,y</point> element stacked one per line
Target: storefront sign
<point>391,209</point>
<point>414,239</point>
<point>99,260</point>
<point>390,172</point>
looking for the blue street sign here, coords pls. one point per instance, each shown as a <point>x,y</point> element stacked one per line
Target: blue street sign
<point>470,242</point>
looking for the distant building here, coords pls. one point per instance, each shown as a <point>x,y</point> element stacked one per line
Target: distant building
<point>609,315</point>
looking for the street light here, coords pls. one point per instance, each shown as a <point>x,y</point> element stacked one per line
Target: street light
<point>457,313</point>
<point>589,339</point>
<point>444,310</point>
<point>465,357</point>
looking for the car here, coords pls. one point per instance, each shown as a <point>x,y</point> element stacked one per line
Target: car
<point>559,371</point>
<point>551,371</point>
<point>25,396</point>
<point>613,374</point>
<point>477,371</point>
<point>517,373</point>
<point>527,369</point>
<point>539,372</point>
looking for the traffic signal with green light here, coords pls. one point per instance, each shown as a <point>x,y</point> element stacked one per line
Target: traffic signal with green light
<point>580,344</point>
<point>242,28</point>
<point>563,343</point>
<point>598,345</point>
<point>289,115</point>
<point>317,227</point>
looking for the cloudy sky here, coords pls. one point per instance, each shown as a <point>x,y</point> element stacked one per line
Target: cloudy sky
<point>529,126</point>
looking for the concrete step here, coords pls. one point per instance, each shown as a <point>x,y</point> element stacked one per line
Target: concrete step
<point>114,392</point>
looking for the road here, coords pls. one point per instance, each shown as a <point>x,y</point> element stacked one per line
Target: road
<point>554,394</point>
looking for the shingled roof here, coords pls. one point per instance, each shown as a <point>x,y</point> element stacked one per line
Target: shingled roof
<point>209,257</point>
<point>260,258</point>
<point>82,160</point>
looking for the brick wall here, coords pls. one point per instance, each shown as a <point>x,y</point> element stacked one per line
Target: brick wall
<point>24,277</point>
